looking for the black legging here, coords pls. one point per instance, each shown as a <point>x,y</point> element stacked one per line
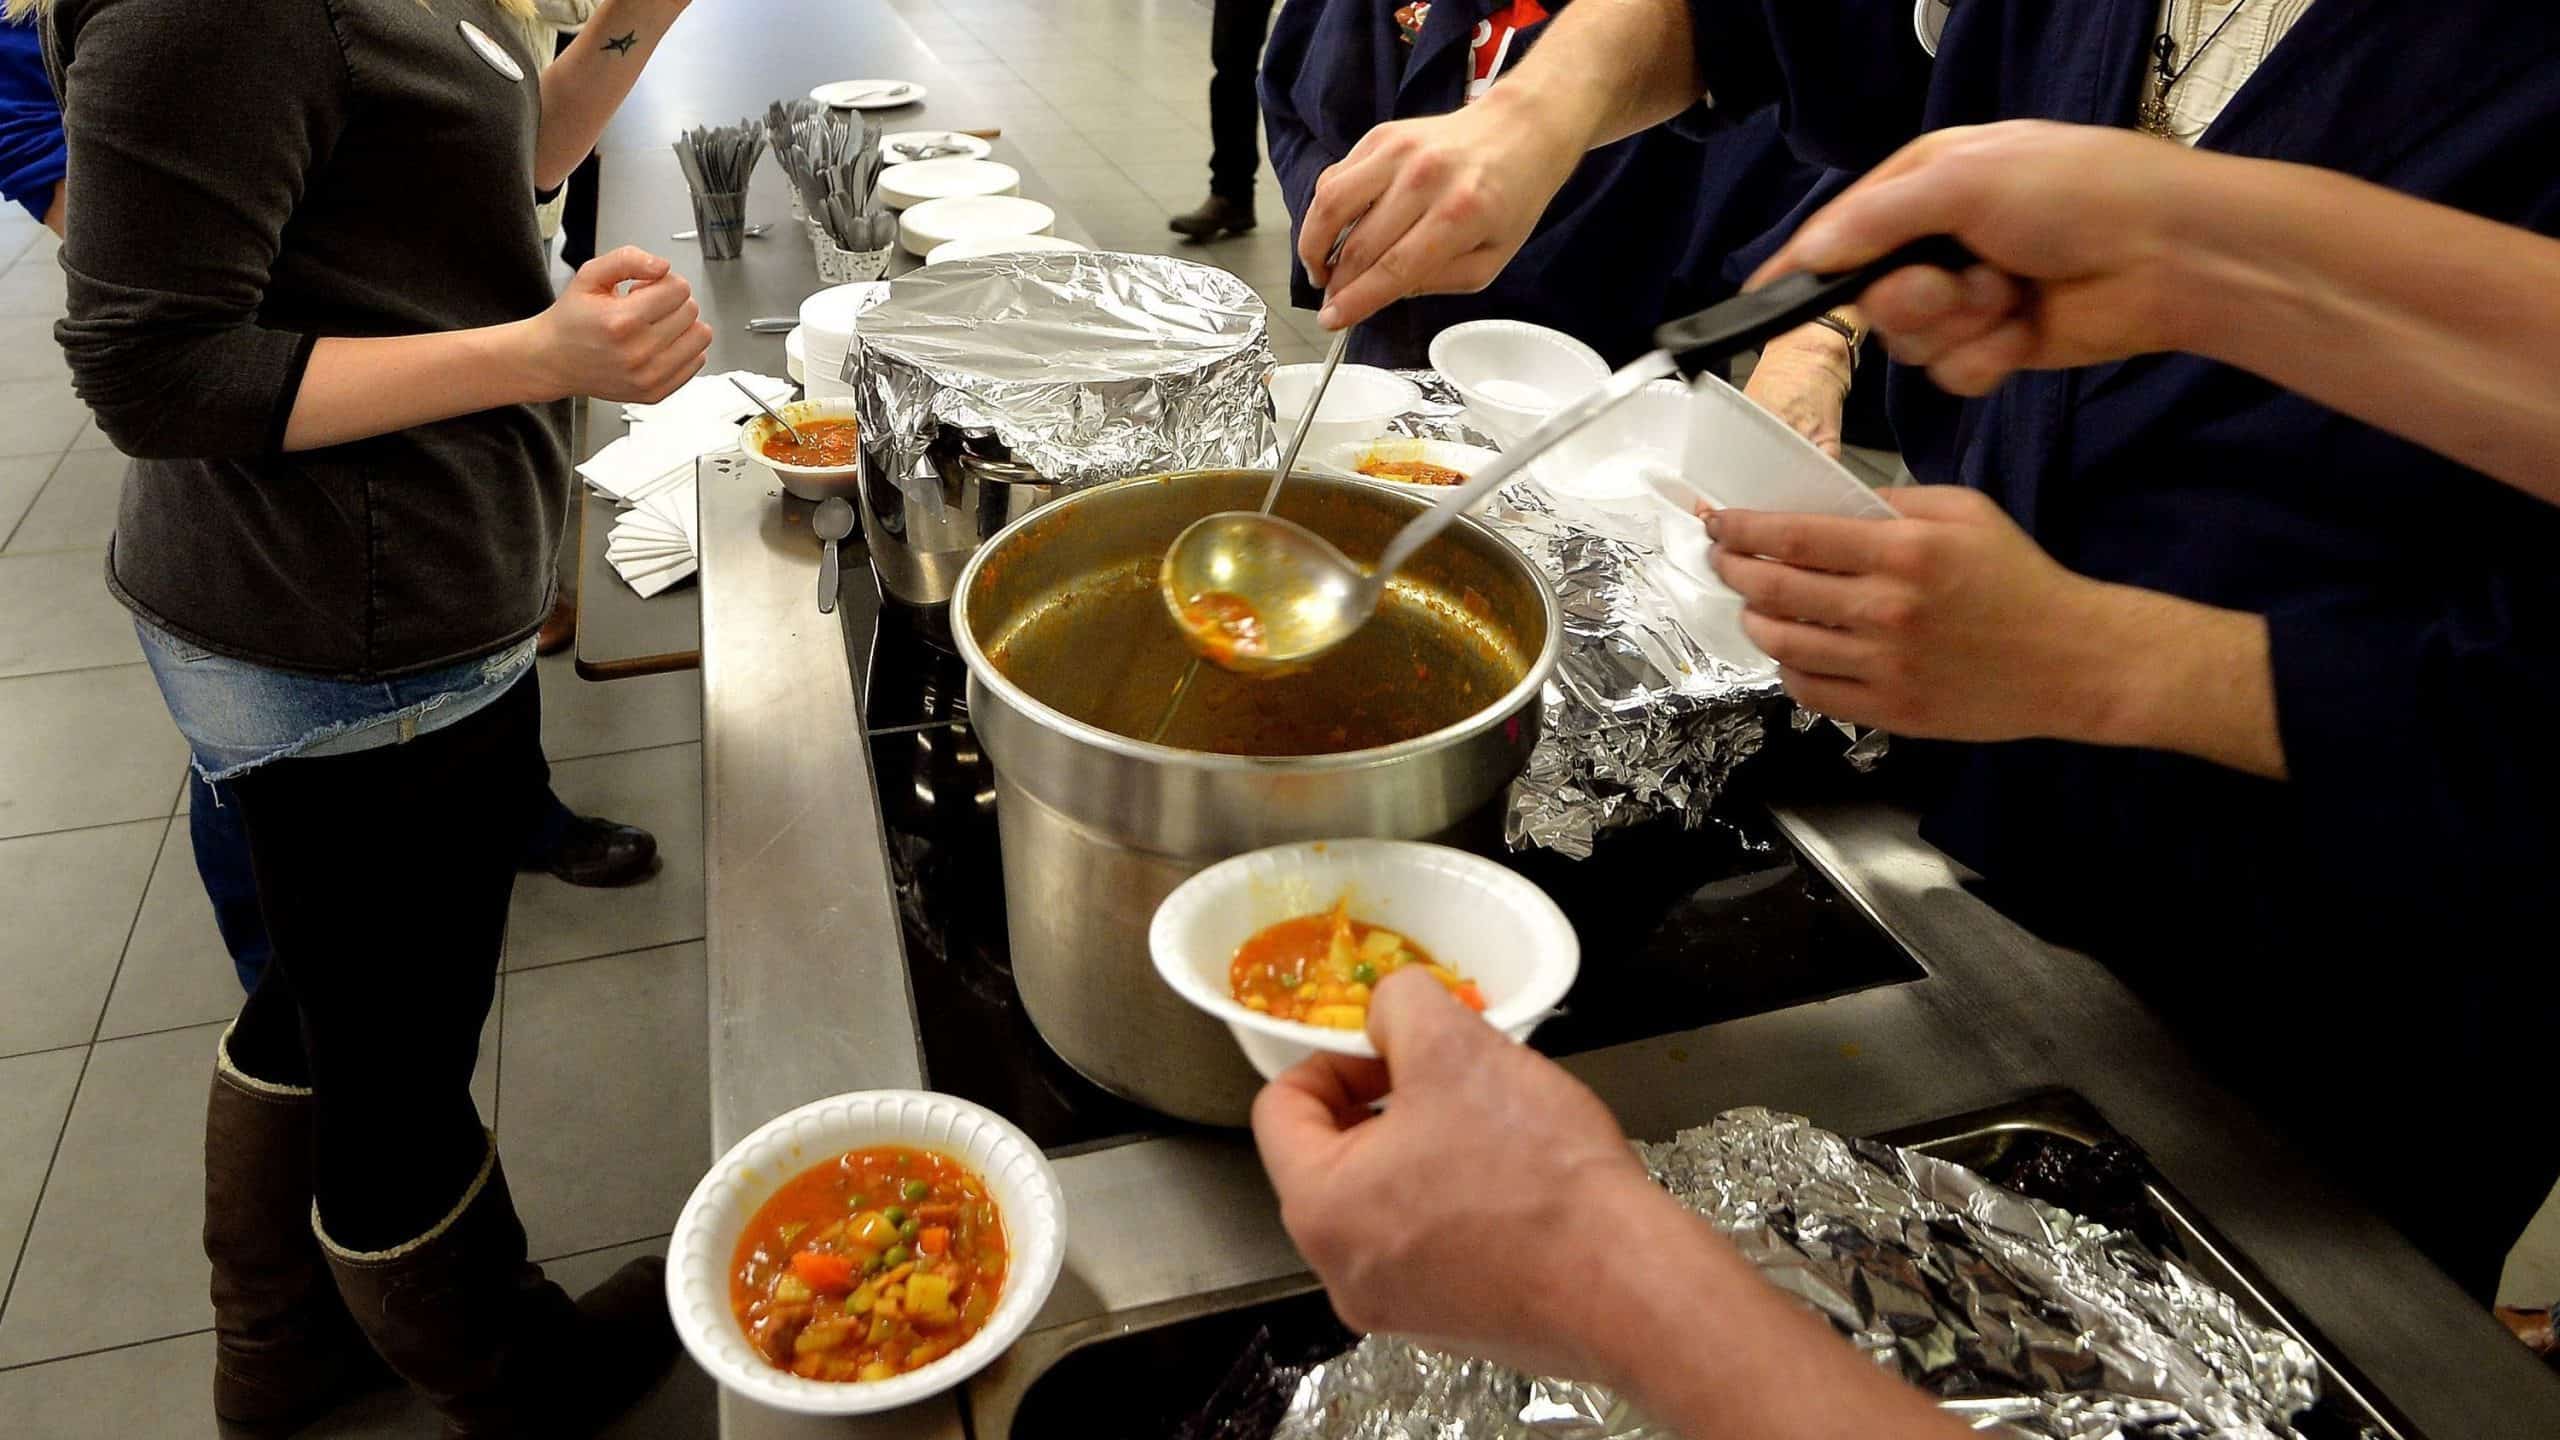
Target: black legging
<point>384,877</point>
<point>1235,113</point>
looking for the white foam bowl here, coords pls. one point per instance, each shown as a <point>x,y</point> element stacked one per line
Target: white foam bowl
<point>1624,458</point>
<point>1001,245</point>
<point>1513,374</point>
<point>809,482</point>
<point>945,177</point>
<point>1475,917</point>
<point>1348,458</point>
<point>1357,405</point>
<point>1709,609</point>
<point>971,217</point>
<point>1018,1179</point>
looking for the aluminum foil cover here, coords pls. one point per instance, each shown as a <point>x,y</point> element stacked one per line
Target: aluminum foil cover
<point>1641,719</point>
<point>1087,366</point>
<point>2024,1319</point>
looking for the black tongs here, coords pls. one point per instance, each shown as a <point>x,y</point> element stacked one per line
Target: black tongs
<point>1722,331</point>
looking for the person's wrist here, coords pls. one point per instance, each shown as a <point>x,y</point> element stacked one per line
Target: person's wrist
<point>1541,109</point>
<point>2195,265</point>
<point>516,351</point>
<point>1659,1271</point>
<point>2141,660</point>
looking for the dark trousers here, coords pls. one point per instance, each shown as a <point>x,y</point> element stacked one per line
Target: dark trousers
<point>383,877</point>
<point>1236,31</point>
<point>221,845</point>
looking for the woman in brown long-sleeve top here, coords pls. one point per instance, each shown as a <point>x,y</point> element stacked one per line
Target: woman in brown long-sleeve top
<point>307,293</point>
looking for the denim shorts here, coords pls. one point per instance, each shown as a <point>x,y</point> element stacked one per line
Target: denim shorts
<point>237,716</point>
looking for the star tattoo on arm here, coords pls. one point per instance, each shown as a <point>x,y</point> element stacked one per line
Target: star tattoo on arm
<point>621,44</point>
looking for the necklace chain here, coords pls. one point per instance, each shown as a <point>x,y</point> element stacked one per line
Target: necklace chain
<point>2156,117</point>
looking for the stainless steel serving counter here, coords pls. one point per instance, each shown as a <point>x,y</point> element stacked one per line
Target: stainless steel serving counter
<point>809,994</point>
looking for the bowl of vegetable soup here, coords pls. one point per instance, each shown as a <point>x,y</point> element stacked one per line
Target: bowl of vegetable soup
<point>865,1251</point>
<point>1286,944</point>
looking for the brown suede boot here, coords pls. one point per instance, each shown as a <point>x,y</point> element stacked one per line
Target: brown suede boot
<point>285,1351</point>
<point>499,1350</point>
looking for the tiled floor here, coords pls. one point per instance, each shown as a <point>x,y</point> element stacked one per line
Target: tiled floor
<point>592,1063</point>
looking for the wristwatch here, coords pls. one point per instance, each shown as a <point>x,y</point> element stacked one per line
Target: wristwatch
<point>1847,329</point>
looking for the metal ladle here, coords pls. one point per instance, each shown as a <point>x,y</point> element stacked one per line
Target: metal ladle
<point>1279,476</point>
<point>1257,594</point>
<point>796,437</point>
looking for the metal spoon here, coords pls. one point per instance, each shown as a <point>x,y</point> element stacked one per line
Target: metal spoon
<point>1271,496</point>
<point>796,437</point>
<point>833,522</point>
<point>1304,596</point>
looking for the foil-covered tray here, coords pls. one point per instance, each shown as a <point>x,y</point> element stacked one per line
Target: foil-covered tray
<point>1642,718</point>
<point>2023,1318</point>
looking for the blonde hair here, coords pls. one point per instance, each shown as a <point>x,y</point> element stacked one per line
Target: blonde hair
<point>20,9</point>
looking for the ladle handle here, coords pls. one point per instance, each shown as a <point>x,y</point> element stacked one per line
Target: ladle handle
<point>1724,330</point>
<point>1618,388</point>
<point>1307,421</point>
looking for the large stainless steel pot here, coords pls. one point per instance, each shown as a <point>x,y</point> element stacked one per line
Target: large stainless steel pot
<point>921,530</point>
<point>1410,731</point>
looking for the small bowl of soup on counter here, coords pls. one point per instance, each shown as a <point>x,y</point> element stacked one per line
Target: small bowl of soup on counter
<point>865,1251</point>
<point>825,461</point>
<point>1286,945</point>
<point>1398,460</point>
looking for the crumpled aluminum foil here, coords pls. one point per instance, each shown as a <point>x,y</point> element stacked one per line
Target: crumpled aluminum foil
<point>2027,1320</point>
<point>1641,719</point>
<point>1085,366</point>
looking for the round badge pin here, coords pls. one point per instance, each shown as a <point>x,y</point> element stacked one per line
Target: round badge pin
<point>491,51</point>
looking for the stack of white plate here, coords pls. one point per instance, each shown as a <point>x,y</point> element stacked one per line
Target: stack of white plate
<point>826,333</point>
<point>971,217</point>
<point>918,181</point>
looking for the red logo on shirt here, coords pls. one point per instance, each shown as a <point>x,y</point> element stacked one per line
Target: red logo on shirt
<point>1492,42</point>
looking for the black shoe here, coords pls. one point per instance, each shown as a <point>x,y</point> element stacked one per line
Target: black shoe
<point>602,853</point>
<point>1216,216</point>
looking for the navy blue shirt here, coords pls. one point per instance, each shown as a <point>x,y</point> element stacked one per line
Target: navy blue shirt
<point>30,122</point>
<point>2376,934</point>
<point>1639,233</point>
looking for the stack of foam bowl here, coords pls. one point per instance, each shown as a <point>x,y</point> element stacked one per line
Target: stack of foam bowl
<point>826,333</point>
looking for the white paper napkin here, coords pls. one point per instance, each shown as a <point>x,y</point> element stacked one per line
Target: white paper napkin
<point>712,397</point>
<point>650,472</point>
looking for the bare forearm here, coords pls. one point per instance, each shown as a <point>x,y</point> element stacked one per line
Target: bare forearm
<point>1704,1345</point>
<point>1609,68</point>
<point>57,213</point>
<point>354,389</point>
<point>2417,318</point>
<point>582,89</point>
<point>2187,678</point>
